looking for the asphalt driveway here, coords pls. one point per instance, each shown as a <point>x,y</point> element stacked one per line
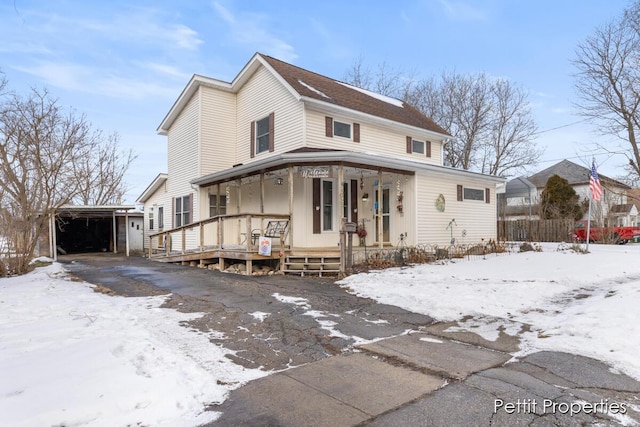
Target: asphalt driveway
<point>273,322</point>
<point>414,373</point>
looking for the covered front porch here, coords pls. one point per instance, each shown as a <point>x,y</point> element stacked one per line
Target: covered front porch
<point>311,195</point>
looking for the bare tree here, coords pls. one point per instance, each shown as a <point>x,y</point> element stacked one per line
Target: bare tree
<point>100,175</point>
<point>509,145</point>
<point>490,120</point>
<point>386,80</point>
<point>41,147</point>
<point>608,81</point>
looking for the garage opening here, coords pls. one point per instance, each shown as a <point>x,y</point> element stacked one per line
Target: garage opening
<point>80,235</point>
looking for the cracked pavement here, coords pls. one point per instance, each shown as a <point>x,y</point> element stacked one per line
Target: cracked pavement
<point>331,369</point>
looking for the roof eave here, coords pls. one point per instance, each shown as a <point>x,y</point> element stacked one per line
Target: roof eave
<point>372,160</point>
<point>153,187</point>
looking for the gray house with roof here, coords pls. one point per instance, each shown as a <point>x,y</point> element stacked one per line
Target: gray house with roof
<point>523,194</point>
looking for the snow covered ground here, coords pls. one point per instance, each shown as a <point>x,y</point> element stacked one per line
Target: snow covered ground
<point>587,304</point>
<point>70,356</point>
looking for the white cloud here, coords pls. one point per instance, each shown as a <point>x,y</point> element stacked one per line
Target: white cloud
<point>251,29</point>
<point>95,80</point>
<point>462,11</point>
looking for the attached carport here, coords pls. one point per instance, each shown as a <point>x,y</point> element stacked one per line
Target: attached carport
<point>84,229</point>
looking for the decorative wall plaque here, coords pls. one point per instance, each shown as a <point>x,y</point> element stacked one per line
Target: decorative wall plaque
<point>440,203</point>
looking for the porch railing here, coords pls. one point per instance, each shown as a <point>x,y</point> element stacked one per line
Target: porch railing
<point>233,232</point>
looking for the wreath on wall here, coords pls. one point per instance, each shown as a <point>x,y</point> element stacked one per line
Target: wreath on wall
<point>440,203</point>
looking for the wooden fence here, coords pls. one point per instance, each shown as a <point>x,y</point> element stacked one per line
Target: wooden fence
<point>544,230</point>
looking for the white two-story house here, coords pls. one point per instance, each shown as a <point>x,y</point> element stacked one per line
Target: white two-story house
<point>281,148</point>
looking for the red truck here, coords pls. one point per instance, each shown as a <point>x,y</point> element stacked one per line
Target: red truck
<point>619,235</point>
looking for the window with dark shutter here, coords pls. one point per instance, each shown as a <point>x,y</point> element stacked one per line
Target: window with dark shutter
<point>271,132</point>
<point>328,126</point>
<point>253,140</point>
<point>459,193</point>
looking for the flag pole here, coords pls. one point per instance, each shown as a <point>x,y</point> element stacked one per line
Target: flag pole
<point>589,223</point>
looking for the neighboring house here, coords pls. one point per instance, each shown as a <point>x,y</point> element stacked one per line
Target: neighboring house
<point>280,143</point>
<point>523,194</point>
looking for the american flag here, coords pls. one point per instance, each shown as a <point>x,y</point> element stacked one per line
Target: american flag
<point>594,183</point>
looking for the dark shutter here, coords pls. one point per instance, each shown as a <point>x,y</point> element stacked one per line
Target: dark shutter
<point>316,206</point>
<point>271,132</point>
<point>356,132</point>
<point>459,193</point>
<point>354,200</point>
<point>173,211</point>
<point>252,143</point>
<point>487,195</point>
<point>409,144</point>
<point>428,148</point>
<point>328,126</point>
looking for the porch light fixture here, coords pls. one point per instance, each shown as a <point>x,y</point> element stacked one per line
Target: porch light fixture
<point>365,197</point>
<point>278,181</point>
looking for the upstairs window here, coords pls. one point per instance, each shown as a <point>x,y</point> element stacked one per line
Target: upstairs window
<point>262,135</point>
<point>417,146</point>
<point>342,129</point>
<point>151,218</point>
<point>262,139</point>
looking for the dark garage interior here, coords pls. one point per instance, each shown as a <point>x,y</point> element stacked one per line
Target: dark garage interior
<point>86,234</point>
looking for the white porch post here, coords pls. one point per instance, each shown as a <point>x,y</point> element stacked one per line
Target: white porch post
<point>261,192</point>
<point>291,206</point>
<point>379,210</point>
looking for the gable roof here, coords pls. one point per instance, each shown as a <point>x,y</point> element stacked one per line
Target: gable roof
<point>320,88</point>
<point>308,86</point>
<point>574,173</point>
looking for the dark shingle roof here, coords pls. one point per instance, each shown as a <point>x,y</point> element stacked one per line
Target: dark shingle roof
<point>572,172</point>
<point>331,91</point>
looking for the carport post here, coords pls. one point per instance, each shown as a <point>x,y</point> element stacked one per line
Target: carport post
<point>115,233</point>
<point>126,228</point>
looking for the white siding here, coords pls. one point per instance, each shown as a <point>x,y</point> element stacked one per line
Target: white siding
<point>474,220</point>
<point>183,143</point>
<point>218,130</point>
<point>261,95</point>
<point>158,199</point>
<point>374,138</point>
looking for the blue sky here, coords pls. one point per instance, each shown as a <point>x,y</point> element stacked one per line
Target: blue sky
<point>123,63</point>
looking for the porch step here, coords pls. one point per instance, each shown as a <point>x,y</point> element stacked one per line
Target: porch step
<point>312,265</point>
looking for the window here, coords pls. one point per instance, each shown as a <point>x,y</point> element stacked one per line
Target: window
<point>217,205</point>
<point>151,218</point>
<point>327,205</point>
<point>183,211</point>
<point>342,129</point>
<point>161,217</point>
<point>417,146</point>
<point>473,194</point>
<point>262,135</point>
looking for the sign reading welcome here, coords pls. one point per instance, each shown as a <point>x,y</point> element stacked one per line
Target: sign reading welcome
<point>314,171</point>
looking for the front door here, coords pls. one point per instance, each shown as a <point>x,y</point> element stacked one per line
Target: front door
<point>385,211</point>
